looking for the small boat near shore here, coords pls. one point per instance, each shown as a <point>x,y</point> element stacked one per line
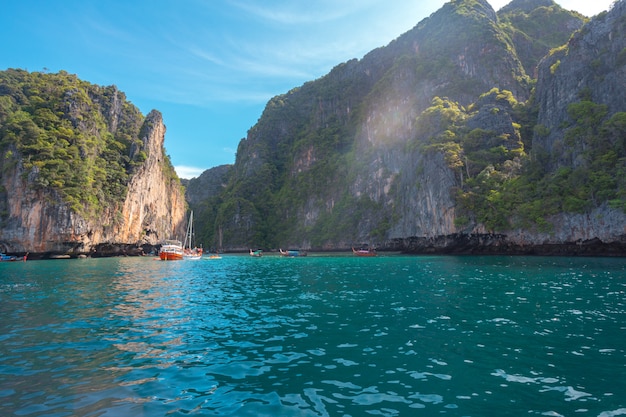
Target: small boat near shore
<point>171,250</point>
<point>364,252</point>
<point>190,253</point>
<point>10,258</point>
<point>257,253</point>
<point>174,250</point>
<point>291,253</point>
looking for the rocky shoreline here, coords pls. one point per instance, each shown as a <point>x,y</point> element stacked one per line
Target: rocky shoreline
<point>456,244</point>
<point>498,244</point>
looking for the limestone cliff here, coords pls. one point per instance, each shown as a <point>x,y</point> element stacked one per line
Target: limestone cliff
<point>591,66</point>
<point>589,71</point>
<point>438,142</point>
<point>336,162</point>
<point>128,211</point>
<point>154,208</point>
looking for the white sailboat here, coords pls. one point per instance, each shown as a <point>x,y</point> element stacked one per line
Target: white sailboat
<point>189,252</point>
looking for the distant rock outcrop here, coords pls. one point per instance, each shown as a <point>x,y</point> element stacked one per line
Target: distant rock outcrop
<point>209,184</point>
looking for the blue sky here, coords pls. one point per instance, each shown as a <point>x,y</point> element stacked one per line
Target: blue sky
<point>208,65</point>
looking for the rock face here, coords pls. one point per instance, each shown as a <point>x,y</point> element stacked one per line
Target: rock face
<point>209,184</point>
<point>155,206</point>
<point>591,66</point>
<point>332,164</point>
<point>535,27</point>
<point>39,222</point>
<point>359,157</point>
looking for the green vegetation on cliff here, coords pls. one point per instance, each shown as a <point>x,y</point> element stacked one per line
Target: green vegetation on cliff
<point>503,187</point>
<point>537,26</point>
<point>78,140</point>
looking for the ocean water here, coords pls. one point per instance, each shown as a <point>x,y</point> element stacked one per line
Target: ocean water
<point>316,336</point>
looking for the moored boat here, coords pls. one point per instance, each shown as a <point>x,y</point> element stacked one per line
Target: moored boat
<point>10,258</point>
<point>190,253</point>
<point>292,253</point>
<point>364,252</point>
<point>171,250</point>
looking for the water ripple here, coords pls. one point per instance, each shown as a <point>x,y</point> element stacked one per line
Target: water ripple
<point>317,336</point>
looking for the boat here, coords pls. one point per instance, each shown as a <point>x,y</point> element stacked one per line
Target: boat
<point>292,253</point>
<point>171,250</point>
<point>257,253</point>
<point>8,258</point>
<point>190,253</point>
<point>364,252</point>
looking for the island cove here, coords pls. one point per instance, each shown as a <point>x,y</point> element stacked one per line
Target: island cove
<point>475,132</point>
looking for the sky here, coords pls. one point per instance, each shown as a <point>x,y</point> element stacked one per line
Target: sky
<point>209,66</point>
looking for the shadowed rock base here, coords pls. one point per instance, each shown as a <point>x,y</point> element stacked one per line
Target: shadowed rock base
<point>498,244</point>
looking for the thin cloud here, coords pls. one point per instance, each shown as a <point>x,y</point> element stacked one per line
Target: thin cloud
<point>205,55</point>
<point>290,13</point>
<point>187,172</point>
<point>585,7</point>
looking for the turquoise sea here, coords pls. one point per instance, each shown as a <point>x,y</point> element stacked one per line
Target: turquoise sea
<point>325,335</point>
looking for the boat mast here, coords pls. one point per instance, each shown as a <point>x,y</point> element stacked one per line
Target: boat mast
<point>189,234</point>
